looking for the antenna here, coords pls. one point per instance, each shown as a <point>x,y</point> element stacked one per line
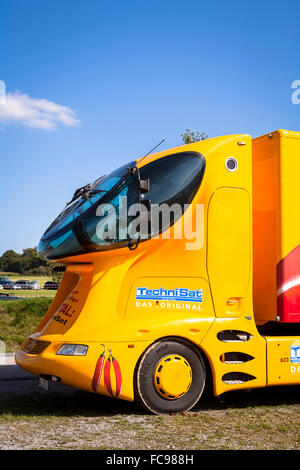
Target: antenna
<point>152,149</point>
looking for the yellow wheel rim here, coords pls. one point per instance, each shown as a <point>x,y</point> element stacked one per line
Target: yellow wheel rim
<point>172,377</point>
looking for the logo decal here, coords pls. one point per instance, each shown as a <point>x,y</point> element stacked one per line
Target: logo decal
<point>295,354</point>
<point>177,298</point>
<point>183,295</point>
<point>295,357</point>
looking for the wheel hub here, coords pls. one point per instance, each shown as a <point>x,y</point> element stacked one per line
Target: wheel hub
<point>172,377</point>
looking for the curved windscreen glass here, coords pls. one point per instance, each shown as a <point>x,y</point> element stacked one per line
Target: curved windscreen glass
<point>118,209</point>
<point>96,192</point>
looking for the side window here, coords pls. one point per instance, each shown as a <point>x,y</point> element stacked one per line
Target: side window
<point>174,180</point>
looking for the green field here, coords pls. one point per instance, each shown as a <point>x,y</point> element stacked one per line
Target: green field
<point>29,293</point>
<point>18,318</point>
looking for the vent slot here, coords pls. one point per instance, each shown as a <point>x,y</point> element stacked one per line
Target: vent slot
<point>33,346</point>
<point>233,336</point>
<point>233,378</point>
<point>235,357</point>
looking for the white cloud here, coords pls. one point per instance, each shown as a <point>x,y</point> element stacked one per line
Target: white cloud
<point>35,113</point>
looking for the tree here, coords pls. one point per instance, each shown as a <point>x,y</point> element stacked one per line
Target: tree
<point>189,137</point>
<point>56,276</point>
<point>29,262</point>
<point>8,259</point>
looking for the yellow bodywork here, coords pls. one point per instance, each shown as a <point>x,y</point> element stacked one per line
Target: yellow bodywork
<point>96,302</point>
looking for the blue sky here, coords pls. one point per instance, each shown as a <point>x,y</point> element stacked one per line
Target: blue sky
<point>100,82</point>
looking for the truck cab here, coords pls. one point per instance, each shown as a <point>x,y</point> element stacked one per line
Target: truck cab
<point>179,266</point>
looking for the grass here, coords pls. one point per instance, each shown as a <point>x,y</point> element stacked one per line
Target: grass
<point>29,293</point>
<point>18,318</point>
<point>262,419</point>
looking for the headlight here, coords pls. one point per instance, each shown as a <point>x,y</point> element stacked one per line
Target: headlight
<point>72,350</point>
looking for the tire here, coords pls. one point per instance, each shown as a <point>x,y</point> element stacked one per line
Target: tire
<point>188,361</point>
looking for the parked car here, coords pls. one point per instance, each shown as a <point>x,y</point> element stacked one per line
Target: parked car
<point>34,285</point>
<point>4,280</point>
<point>5,283</point>
<point>11,286</point>
<point>1,286</point>
<point>24,284</point>
<point>51,285</point>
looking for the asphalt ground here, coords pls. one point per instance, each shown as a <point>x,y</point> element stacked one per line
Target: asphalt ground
<point>16,381</point>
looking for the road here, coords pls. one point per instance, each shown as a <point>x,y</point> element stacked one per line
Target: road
<point>14,380</point>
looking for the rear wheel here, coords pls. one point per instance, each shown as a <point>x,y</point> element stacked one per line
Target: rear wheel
<point>170,377</point>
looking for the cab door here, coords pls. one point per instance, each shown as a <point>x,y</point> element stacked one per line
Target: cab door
<point>229,252</point>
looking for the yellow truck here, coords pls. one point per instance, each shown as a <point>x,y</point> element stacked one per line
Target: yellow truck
<point>179,268</point>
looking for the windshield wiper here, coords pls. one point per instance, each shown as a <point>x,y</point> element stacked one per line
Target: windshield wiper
<point>87,190</point>
<point>80,192</point>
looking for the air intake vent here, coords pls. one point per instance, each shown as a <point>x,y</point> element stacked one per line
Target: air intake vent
<point>237,378</point>
<point>235,358</point>
<point>33,346</point>
<point>233,336</point>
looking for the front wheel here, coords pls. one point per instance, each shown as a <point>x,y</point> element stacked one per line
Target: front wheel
<point>170,377</point>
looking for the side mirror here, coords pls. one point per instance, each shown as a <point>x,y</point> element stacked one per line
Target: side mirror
<point>144,185</point>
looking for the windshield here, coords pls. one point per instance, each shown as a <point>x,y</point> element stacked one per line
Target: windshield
<point>97,189</point>
<point>105,216</point>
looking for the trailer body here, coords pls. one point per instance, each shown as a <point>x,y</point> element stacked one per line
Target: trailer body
<point>276,227</point>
